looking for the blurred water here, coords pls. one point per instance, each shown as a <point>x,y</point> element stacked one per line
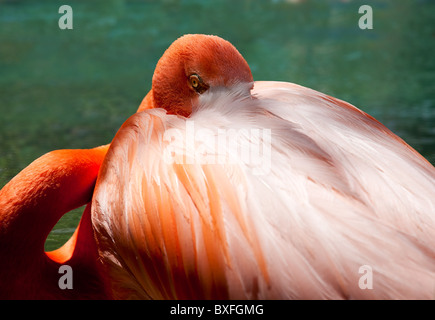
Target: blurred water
<point>74,88</point>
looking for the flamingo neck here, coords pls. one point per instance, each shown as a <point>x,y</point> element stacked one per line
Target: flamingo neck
<point>33,201</point>
<point>147,102</point>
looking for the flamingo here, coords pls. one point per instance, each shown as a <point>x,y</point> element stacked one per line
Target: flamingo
<point>57,182</point>
<point>225,188</point>
<point>175,218</point>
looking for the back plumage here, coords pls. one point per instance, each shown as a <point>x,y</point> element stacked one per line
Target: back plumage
<point>305,190</point>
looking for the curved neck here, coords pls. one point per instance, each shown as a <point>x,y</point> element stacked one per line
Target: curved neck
<point>147,102</point>
<point>34,200</point>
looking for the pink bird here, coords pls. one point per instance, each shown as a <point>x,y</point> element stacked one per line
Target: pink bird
<point>259,190</point>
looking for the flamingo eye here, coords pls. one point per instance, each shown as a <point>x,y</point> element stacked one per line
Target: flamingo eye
<point>194,81</point>
<point>197,84</point>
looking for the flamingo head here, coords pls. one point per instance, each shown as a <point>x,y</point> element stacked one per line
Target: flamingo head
<point>192,65</point>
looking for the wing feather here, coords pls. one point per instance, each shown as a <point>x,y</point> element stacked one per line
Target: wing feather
<point>179,213</point>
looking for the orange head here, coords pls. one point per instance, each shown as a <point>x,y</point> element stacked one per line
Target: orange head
<point>192,65</point>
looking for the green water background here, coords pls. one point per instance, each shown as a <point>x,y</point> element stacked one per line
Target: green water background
<point>74,88</point>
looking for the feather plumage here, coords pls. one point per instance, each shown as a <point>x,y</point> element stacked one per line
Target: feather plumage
<point>328,191</point>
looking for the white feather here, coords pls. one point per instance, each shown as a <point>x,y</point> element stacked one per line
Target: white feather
<point>340,192</point>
